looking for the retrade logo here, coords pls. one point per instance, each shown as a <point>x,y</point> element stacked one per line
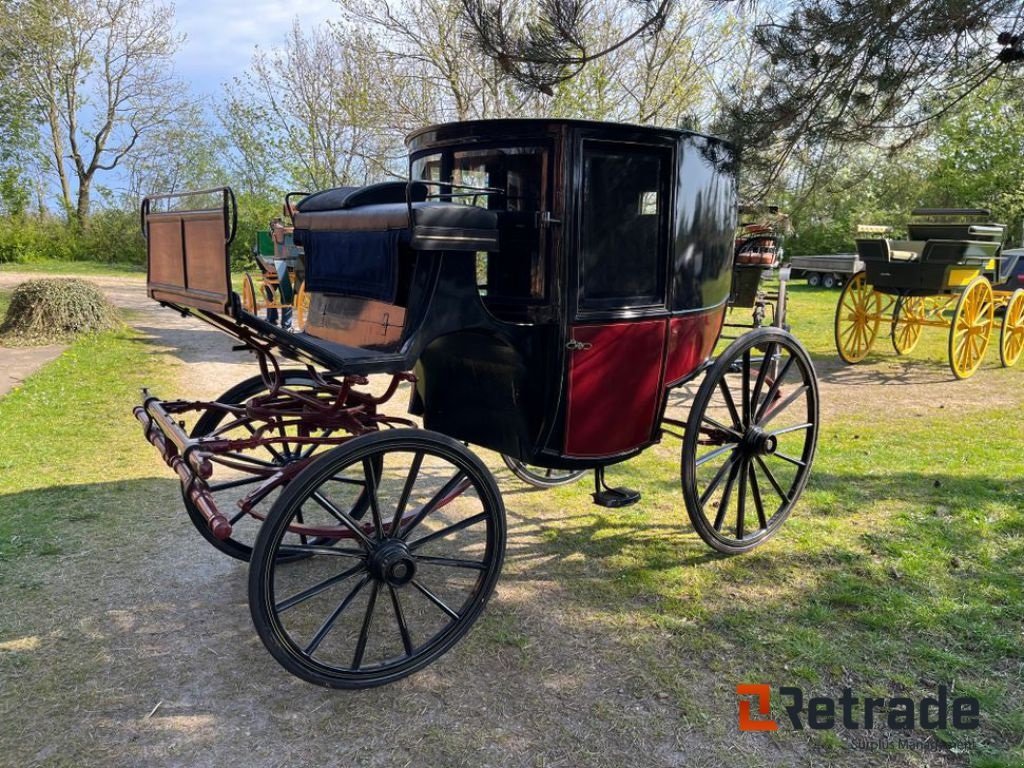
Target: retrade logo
<point>763,695</point>
<point>852,712</point>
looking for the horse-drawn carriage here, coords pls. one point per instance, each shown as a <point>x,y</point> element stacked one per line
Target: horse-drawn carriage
<point>539,287</point>
<point>940,277</point>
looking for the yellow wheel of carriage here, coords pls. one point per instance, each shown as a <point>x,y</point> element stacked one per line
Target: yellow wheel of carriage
<point>249,301</point>
<point>971,329</point>
<point>300,307</point>
<point>1011,336</point>
<point>858,315</point>
<point>907,325</point>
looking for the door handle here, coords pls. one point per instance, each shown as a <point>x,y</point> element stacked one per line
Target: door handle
<point>574,345</point>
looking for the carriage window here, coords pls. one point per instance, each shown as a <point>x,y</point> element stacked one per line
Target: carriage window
<point>622,248</point>
<point>516,276</point>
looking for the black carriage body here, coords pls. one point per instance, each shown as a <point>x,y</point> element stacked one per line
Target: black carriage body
<point>548,281</point>
<point>608,286</point>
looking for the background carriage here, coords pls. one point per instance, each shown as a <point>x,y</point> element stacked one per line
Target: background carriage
<point>941,277</point>
<point>540,288</point>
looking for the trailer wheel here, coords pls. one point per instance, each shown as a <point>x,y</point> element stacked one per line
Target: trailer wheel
<point>814,279</point>
<point>828,281</point>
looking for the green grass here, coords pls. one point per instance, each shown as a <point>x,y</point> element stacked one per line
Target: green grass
<point>67,427</point>
<point>76,268</point>
<point>5,301</point>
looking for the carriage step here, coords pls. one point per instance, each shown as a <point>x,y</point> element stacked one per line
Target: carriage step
<point>616,497</point>
<point>612,497</point>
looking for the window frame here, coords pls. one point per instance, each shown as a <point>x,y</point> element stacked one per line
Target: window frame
<point>616,308</point>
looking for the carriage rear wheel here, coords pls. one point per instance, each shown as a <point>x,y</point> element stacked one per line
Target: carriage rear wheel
<point>238,473</point>
<point>249,301</point>
<point>542,477</point>
<point>1011,336</point>
<point>971,329</point>
<point>750,440</point>
<point>403,585</point>
<point>907,323</point>
<point>858,315</point>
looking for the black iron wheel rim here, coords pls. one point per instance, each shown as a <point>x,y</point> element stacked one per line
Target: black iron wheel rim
<point>376,571</point>
<point>744,467</point>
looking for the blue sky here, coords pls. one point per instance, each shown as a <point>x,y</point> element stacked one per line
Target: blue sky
<point>221,35</point>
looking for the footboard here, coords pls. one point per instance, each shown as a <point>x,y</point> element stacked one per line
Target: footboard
<point>187,250</point>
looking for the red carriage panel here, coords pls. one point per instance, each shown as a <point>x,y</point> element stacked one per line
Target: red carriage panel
<point>690,341</point>
<point>614,377</point>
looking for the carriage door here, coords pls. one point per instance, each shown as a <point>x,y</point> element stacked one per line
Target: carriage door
<point>616,342</point>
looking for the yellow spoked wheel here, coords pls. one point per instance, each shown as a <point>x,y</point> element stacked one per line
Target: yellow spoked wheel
<point>858,315</point>
<point>907,322</point>
<point>300,307</point>
<point>249,295</point>
<point>971,328</point>
<point>1011,337</point>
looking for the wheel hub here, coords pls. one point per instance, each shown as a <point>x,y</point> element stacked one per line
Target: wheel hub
<point>393,563</point>
<point>759,442</point>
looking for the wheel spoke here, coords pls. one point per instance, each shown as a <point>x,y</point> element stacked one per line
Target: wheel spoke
<point>321,633</point>
<point>403,627</point>
<point>727,466</point>
<point>790,459</point>
<point>731,404</point>
<point>451,562</point>
<point>723,503</point>
<point>403,500</point>
<point>320,549</point>
<point>771,479</point>
<point>479,518</point>
<point>357,657</point>
<point>794,428</point>
<point>714,454</point>
<point>343,518</point>
<point>741,502</point>
<point>773,390</point>
<point>719,425</point>
<point>755,491</point>
<point>762,373</point>
<point>316,589</point>
<point>454,487</point>
<point>771,414</point>
<point>370,473</point>
<point>434,599</point>
<point>745,397</point>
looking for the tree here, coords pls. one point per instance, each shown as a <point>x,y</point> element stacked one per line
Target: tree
<point>17,126</point>
<point>832,72</point>
<point>98,72</point>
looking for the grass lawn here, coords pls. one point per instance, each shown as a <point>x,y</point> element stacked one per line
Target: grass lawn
<point>901,569</point>
<point>5,301</point>
<point>76,268</point>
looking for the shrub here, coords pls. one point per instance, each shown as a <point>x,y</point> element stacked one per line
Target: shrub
<point>55,310</point>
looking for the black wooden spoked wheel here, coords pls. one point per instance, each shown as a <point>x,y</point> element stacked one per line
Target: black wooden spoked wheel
<point>248,468</point>
<point>400,587</point>
<point>750,440</point>
<point>542,477</point>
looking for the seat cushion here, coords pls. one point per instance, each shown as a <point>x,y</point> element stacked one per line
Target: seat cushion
<point>346,198</point>
<point>435,226</point>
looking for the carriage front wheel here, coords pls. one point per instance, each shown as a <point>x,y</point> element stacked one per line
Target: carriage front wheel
<point>399,587</point>
<point>750,440</point>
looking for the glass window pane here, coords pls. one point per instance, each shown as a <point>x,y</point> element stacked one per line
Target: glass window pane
<point>621,250</point>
